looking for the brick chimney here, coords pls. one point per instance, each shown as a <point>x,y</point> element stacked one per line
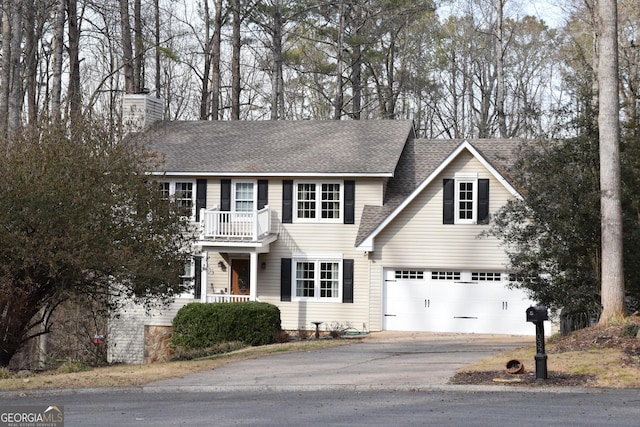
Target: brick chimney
<point>139,111</point>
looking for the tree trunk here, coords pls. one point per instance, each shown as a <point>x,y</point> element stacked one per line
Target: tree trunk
<point>16,94</point>
<point>5,69</point>
<point>610,181</point>
<point>339,98</point>
<point>127,50</point>
<point>356,64</point>
<point>74,92</point>
<point>138,63</point>
<point>204,88</point>
<point>58,46</point>
<point>157,40</point>
<point>235,62</point>
<point>500,92</point>
<point>31,65</point>
<point>276,68</point>
<point>215,62</point>
<point>19,303</point>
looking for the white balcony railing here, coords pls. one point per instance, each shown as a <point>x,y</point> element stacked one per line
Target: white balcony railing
<point>232,225</point>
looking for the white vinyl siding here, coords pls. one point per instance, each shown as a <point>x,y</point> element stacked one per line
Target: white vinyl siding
<point>417,236</point>
<point>322,237</point>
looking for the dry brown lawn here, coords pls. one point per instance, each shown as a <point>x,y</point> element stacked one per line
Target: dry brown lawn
<point>592,357</point>
<point>136,375</point>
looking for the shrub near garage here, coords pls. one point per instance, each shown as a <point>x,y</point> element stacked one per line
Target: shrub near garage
<point>199,326</point>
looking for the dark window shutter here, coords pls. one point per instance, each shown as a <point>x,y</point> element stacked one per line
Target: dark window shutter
<point>483,201</point>
<point>201,196</point>
<point>287,201</point>
<point>349,202</point>
<point>347,281</point>
<point>263,193</point>
<point>197,277</point>
<point>225,195</point>
<point>285,279</point>
<point>448,203</point>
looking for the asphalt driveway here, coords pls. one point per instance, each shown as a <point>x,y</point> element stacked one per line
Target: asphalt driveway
<point>381,361</point>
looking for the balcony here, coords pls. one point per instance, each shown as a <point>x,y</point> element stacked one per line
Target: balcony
<point>234,226</point>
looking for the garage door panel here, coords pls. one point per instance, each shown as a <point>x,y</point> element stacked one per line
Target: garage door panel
<point>454,306</point>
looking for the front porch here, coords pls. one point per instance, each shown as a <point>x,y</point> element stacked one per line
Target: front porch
<point>231,242</point>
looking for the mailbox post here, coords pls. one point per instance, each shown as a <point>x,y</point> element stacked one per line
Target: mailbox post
<point>538,315</point>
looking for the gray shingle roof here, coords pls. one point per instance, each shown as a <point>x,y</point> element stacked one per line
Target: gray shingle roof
<point>280,147</point>
<point>419,159</point>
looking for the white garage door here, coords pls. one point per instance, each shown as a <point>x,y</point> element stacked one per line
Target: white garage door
<point>452,301</point>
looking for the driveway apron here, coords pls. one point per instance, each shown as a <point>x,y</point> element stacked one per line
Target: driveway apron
<point>385,360</point>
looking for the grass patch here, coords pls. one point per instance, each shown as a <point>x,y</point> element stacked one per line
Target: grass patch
<point>122,375</point>
<point>606,366</point>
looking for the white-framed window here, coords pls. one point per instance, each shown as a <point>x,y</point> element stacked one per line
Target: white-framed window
<point>189,274</point>
<point>244,195</point>
<point>318,201</point>
<point>466,198</point>
<point>317,278</point>
<point>187,279</point>
<point>182,192</point>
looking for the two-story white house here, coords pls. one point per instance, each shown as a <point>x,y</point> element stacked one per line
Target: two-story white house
<point>349,223</point>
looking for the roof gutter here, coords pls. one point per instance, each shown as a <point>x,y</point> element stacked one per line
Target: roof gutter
<point>275,174</point>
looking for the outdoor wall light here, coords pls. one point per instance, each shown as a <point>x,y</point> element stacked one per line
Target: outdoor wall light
<point>222,266</point>
<point>263,265</point>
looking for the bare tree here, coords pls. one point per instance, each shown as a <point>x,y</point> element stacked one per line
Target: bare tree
<point>156,10</point>
<point>75,89</point>
<point>57,53</point>
<point>138,45</point>
<point>500,85</point>
<point>11,77</point>
<point>610,180</point>
<point>277,83</point>
<point>236,43</point>
<point>127,49</point>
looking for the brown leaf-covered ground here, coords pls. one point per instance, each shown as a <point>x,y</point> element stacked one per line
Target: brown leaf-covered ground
<point>619,339</point>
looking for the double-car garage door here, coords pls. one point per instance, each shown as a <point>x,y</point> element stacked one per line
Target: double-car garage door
<point>453,301</point>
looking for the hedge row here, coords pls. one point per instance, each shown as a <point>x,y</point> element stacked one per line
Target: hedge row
<point>199,325</point>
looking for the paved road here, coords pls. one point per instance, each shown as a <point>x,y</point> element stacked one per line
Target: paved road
<point>382,361</point>
<point>386,379</point>
<point>459,407</point>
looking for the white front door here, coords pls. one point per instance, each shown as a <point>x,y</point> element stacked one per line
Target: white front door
<point>446,301</point>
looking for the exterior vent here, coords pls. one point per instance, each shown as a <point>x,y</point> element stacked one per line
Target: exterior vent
<point>140,111</point>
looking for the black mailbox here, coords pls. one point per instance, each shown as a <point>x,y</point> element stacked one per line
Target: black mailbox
<point>537,314</point>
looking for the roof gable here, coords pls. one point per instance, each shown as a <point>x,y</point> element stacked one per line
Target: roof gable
<point>279,148</point>
<point>428,159</point>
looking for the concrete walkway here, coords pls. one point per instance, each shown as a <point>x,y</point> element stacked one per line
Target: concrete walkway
<point>381,361</point>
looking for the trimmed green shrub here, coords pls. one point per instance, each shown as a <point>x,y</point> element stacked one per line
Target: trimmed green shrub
<point>198,325</point>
